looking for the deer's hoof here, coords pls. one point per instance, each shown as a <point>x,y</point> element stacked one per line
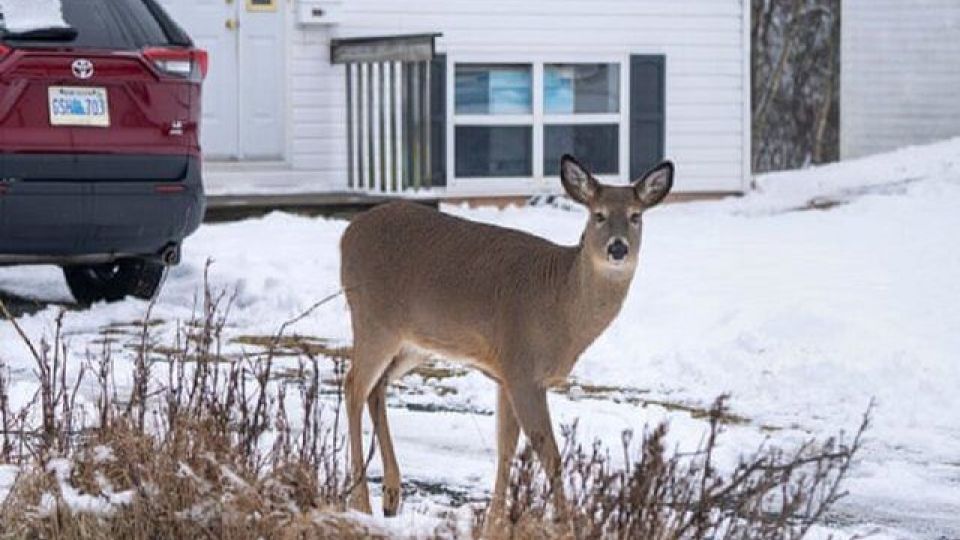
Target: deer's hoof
<point>497,525</point>
<point>360,503</point>
<point>391,501</point>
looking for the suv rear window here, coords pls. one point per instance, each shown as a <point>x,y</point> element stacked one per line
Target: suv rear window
<point>112,24</point>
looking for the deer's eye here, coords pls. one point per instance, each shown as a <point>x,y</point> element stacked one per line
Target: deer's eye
<point>635,218</point>
<point>600,217</point>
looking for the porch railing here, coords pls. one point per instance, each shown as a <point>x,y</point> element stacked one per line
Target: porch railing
<point>388,107</point>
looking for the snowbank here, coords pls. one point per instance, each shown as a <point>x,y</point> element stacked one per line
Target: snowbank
<point>841,182</point>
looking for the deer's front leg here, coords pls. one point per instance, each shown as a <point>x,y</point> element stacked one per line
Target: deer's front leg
<point>497,523</point>
<point>533,414</point>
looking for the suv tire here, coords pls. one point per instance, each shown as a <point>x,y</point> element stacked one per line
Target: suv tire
<point>115,281</point>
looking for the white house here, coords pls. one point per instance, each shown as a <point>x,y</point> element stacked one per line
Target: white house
<point>467,97</point>
<point>900,74</point>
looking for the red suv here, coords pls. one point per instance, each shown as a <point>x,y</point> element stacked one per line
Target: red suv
<point>99,146</point>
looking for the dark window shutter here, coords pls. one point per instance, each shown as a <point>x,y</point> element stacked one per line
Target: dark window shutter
<point>438,120</point>
<point>648,91</point>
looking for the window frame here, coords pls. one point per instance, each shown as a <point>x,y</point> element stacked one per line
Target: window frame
<point>537,183</point>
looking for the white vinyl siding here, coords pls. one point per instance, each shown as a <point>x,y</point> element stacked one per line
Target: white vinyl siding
<point>704,42</point>
<point>900,71</point>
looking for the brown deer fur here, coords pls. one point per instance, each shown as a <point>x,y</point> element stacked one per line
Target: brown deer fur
<point>515,306</point>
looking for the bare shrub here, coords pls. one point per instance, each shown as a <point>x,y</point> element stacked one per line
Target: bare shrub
<point>771,494</point>
<point>215,444</point>
<point>200,444</point>
<point>125,484</point>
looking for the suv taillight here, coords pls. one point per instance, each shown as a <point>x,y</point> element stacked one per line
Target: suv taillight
<point>4,51</point>
<point>187,63</point>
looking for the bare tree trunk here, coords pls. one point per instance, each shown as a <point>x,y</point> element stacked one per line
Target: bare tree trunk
<point>760,109</point>
<point>824,116</point>
<point>794,92</point>
<point>777,75</point>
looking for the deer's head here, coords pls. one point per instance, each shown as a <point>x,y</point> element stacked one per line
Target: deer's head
<point>613,232</point>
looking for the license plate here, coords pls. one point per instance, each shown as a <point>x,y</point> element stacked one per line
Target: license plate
<point>79,106</point>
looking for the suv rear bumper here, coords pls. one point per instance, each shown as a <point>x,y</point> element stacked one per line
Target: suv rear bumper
<point>90,221</point>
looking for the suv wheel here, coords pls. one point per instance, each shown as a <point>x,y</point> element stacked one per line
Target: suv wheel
<point>115,281</point>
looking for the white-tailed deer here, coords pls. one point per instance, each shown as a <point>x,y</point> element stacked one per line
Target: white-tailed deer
<point>515,306</point>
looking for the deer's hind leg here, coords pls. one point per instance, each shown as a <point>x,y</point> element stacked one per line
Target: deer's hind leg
<point>373,350</point>
<point>402,363</point>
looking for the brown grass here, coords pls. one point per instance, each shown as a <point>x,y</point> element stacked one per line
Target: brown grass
<point>186,485</point>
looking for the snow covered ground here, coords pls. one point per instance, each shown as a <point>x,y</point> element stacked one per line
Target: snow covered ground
<point>823,289</point>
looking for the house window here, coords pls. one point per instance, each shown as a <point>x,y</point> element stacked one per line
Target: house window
<point>581,88</point>
<point>493,105</point>
<point>571,91</point>
<point>494,151</point>
<point>597,144</point>
<point>516,120</point>
<point>503,89</point>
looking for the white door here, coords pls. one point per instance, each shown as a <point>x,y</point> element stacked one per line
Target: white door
<point>261,80</point>
<point>243,95</point>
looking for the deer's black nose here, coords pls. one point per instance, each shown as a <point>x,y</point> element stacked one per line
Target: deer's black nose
<point>618,250</point>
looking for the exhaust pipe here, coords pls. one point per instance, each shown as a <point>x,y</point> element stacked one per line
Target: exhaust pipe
<point>170,255</point>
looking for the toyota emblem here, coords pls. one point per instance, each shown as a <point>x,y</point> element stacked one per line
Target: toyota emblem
<point>82,68</point>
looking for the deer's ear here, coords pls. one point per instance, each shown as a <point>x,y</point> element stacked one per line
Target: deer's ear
<point>578,183</point>
<point>655,184</point>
